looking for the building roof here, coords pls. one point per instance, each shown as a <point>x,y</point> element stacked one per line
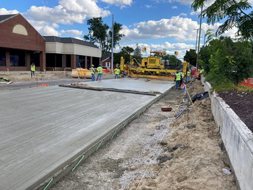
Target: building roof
<point>68,40</point>
<point>3,18</point>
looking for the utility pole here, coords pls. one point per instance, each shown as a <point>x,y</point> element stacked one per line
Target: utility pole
<point>112,43</point>
<point>196,45</point>
<point>200,25</point>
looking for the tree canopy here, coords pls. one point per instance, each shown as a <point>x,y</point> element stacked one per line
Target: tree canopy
<point>235,13</point>
<point>100,33</point>
<point>191,57</point>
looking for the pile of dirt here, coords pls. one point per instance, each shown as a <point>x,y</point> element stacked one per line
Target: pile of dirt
<point>192,157</point>
<point>242,104</point>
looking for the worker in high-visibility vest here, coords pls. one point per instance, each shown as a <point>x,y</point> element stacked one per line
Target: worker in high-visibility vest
<point>117,73</point>
<point>92,72</point>
<point>100,72</point>
<point>182,76</point>
<point>33,69</point>
<point>178,79</point>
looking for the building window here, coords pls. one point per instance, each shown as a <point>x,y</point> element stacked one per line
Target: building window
<point>2,58</point>
<point>68,60</point>
<point>53,60</point>
<point>17,58</point>
<point>20,29</point>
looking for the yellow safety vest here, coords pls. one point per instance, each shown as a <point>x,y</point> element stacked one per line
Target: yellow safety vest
<point>178,76</point>
<point>32,67</point>
<point>100,70</point>
<point>92,70</point>
<point>117,71</point>
<point>188,73</point>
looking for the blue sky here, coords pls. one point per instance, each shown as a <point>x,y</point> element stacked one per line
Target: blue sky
<point>156,24</point>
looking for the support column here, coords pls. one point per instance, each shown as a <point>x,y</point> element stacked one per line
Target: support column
<point>86,62</point>
<point>28,60</point>
<point>91,61</point>
<point>73,61</point>
<point>42,61</point>
<point>64,61</point>
<point>8,60</point>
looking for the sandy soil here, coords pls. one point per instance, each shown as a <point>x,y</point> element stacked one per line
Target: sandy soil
<point>157,151</point>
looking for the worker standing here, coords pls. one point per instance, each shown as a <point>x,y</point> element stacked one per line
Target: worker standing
<point>100,73</point>
<point>181,77</point>
<point>177,79</point>
<point>117,72</point>
<point>92,72</point>
<point>188,76</point>
<point>33,68</point>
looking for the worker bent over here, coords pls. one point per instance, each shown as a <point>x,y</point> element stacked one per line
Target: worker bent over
<point>92,72</point>
<point>117,73</point>
<point>100,72</point>
<point>33,70</point>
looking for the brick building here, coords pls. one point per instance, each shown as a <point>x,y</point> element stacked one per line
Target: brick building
<point>21,44</point>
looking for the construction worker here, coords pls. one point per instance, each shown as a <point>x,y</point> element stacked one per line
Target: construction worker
<point>188,76</point>
<point>178,79</point>
<point>201,71</point>
<point>117,72</point>
<point>100,72</point>
<point>33,68</point>
<point>181,77</point>
<point>92,72</point>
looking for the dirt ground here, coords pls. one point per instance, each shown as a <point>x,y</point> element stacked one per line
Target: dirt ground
<point>157,151</point>
<point>242,104</point>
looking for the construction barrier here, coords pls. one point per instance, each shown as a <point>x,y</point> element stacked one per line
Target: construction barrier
<point>236,137</point>
<point>80,73</point>
<point>247,82</point>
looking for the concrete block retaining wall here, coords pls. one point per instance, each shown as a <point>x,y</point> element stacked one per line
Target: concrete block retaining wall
<point>237,139</point>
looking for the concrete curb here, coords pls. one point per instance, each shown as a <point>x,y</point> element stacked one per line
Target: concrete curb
<point>237,139</point>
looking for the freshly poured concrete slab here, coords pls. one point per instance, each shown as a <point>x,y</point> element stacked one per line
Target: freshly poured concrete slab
<point>43,128</point>
<point>133,84</point>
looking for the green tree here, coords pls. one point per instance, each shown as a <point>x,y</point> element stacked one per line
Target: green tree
<point>124,52</point>
<point>137,54</point>
<point>173,62</point>
<point>97,32</point>
<point>101,34</point>
<point>116,36</point>
<point>191,57</point>
<point>209,36</point>
<point>227,62</point>
<point>234,13</point>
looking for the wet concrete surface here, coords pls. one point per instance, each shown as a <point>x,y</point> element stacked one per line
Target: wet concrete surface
<point>42,128</point>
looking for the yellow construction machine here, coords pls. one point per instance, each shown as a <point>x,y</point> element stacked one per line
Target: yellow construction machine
<point>152,67</point>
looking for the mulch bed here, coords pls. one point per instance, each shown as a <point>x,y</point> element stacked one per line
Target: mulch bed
<point>242,104</point>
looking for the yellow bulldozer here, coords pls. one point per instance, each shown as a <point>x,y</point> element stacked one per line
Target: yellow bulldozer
<point>152,67</point>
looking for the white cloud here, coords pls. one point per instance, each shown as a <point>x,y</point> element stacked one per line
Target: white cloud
<point>4,11</point>
<point>45,28</point>
<point>76,33</point>
<point>170,48</point>
<point>174,7</point>
<point>148,6</point>
<point>120,3</point>
<point>67,12</point>
<point>177,28</point>
<point>46,19</point>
